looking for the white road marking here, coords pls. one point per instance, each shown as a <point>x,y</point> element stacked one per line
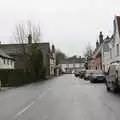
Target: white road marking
<point>30,105</point>
<point>24,109</point>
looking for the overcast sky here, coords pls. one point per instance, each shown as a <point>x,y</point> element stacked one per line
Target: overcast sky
<point>69,24</point>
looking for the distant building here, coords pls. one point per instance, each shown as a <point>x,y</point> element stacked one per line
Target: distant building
<point>6,62</point>
<point>68,65</point>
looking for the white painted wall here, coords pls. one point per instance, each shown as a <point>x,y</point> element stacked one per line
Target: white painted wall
<point>7,64</point>
<point>106,58</point>
<point>52,66</point>
<point>114,49</point>
<point>77,66</point>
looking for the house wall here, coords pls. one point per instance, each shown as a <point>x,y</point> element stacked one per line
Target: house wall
<point>107,58</point>
<point>98,62</point>
<point>70,67</point>
<point>52,67</point>
<point>6,63</point>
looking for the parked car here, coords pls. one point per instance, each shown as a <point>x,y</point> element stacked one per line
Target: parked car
<point>113,77</point>
<point>97,76</point>
<point>88,74</point>
<point>82,73</point>
<point>77,74</point>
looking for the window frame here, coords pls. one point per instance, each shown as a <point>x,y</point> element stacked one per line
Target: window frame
<point>117,50</point>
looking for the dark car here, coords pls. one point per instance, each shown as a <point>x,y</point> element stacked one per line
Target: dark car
<point>77,74</point>
<point>82,74</point>
<point>88,74</point>
<point>97,76</point>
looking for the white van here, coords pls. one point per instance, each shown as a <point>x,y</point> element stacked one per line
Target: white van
<point>113,77</point>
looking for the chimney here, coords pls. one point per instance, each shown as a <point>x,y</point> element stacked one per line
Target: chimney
<point>107,37</point>
<point>29,39</point>
<point>53,48</point>
<point>97,44</point>
<point>101,38</point>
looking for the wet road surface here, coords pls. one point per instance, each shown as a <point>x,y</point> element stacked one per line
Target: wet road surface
<point>62,98</point>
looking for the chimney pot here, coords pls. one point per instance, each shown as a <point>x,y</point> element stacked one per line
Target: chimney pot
<point>29,39</point>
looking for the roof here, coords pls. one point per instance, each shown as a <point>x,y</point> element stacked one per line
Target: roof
<point>3,54</point>
<point>118,23</point>
<point>72,61</point>
<point>13,49</point>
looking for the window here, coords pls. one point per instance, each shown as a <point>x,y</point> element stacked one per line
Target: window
<point>117,49</point>
<point>4,60</point>
<point>7,61</point>
<point>103,53</point>
<point>110,52</point>
<point>11,62</point>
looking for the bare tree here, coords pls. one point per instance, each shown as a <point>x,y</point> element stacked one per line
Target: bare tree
<point>23,30</point>
<point>88,54</point>
<point>88,51</point>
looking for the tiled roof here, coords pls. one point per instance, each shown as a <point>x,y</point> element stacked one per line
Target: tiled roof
<point>3,54</point>
<point>18,48</point>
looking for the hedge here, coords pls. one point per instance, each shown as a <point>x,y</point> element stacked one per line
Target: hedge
<point>17,77</point>
<point>13,77</point>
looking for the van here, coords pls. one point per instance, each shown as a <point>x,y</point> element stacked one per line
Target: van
<point>113,77</point>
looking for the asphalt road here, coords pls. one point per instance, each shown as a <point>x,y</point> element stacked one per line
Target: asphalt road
<point>62,98</point>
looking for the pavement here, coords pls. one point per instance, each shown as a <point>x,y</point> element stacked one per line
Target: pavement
<point>62,98</point>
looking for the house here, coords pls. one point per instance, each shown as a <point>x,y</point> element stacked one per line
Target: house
<point>17,52</point>
<point>69,66</point>
<point>111,47</point>
<point>115,43</point>
<point>108,50</point>
<point>6,62</point>
<point>111,52</point>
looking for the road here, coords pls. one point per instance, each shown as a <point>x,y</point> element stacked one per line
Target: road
<point>62,98</point>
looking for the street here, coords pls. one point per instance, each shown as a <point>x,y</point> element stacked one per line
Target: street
<point>62,98</point>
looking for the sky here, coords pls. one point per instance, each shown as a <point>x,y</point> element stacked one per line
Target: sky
<point>69,24</point>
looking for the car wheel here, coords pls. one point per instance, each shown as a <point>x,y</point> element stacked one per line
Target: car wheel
<point>115,89</point>
<point>92,81</point>
<point>107,86</point>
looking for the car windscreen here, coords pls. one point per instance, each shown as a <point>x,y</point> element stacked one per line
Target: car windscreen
<point>90,71</point>
<point>98,72</point>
